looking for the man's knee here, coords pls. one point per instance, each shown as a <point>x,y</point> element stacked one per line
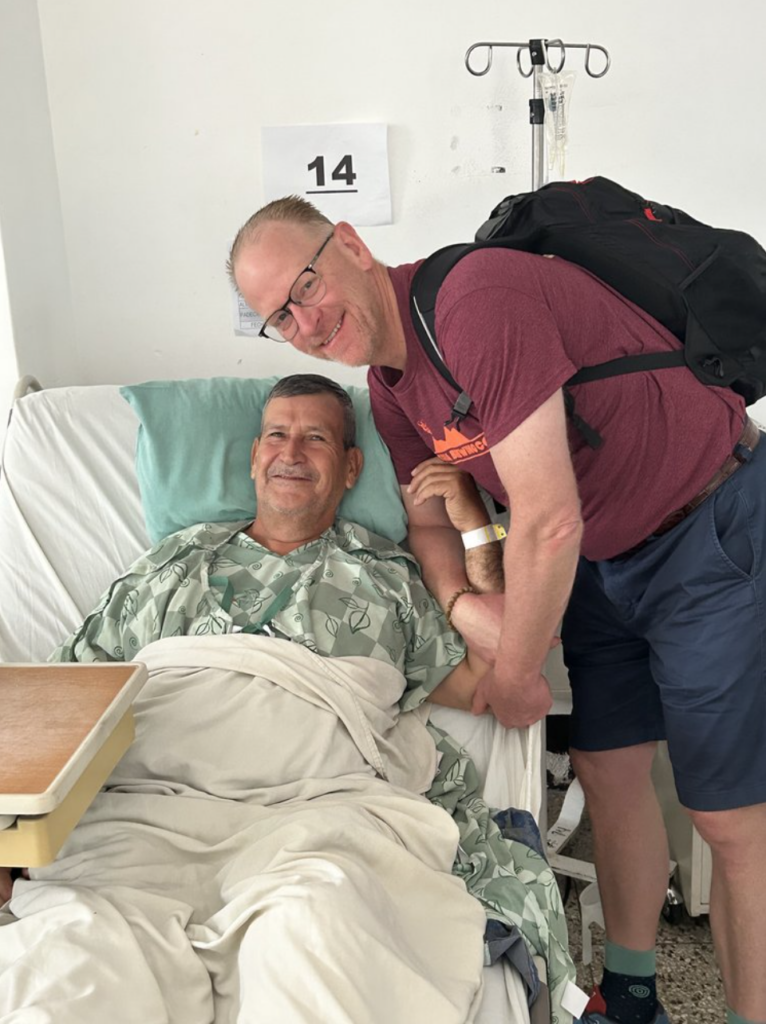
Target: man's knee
<point>734,835</point>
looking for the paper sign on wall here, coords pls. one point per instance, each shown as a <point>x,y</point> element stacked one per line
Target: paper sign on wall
<point>341,168</point>
<point>245,321</point>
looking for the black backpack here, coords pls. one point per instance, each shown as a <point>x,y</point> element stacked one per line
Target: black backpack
<point>706,285</point>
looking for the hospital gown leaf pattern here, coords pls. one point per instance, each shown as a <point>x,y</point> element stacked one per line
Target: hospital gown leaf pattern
<point>454,653</point>
<point>130,606</point>
<point>177,569</point>
<point>514,883</point>
<point>351,593</point>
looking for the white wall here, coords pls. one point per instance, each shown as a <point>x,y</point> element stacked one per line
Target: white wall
<point>156,107</point>
<point>37,331</point>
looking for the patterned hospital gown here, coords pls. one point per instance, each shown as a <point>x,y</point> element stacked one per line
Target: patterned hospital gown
<point>350,592</point>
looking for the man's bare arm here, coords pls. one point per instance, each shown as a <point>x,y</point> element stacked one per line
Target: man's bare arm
<point>466,511</point>
<point>437,545</point>
<point>458,689</point>
<point>440,488</point>
<point>541,554</point>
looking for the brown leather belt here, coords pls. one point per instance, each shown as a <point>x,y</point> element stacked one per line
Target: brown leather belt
<point>751,435</point>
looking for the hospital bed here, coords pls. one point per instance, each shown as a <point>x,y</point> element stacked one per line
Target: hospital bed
<point>71,520</point>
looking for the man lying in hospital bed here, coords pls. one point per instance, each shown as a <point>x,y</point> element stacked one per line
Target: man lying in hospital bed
<point>306,730</point>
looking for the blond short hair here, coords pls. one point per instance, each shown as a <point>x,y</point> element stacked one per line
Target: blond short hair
<point>291,209</point>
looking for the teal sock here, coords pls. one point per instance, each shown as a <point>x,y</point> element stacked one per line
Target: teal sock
<point>629,985</point>
<point>734,1018</point>
<point>643,964</point>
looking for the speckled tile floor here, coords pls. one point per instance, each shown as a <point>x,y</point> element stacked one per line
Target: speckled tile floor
<point>687,977</point>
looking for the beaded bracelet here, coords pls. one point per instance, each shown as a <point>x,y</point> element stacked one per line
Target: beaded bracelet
<point>451,603</point>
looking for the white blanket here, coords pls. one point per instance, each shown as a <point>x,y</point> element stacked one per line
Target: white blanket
<point>262,855</point>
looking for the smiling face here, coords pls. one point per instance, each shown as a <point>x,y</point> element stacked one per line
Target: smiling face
<point>348,325</point>
<point>301,469</point>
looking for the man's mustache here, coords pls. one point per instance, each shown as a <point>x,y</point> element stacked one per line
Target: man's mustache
<point>287,471</point>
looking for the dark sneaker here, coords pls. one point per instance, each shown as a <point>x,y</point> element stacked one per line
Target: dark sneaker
<point>595,1012</point>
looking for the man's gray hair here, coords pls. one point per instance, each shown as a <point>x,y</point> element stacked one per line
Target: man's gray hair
<point>315,384</point>
<point>291,209</point>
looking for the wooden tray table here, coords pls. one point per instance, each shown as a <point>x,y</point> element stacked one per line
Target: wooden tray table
<point>63,728</point>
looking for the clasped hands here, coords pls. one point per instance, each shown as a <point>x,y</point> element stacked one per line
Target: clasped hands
<point>479,617</point>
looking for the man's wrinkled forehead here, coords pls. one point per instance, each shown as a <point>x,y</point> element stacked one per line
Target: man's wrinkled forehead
<point>320,411</point>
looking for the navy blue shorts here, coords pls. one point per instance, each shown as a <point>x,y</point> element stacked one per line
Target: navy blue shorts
<point>669,643</point>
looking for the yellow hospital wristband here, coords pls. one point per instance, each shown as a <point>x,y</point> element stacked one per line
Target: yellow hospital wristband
<point>484,535</point>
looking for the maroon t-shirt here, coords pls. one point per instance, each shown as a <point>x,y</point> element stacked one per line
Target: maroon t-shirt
<point>512,327</point>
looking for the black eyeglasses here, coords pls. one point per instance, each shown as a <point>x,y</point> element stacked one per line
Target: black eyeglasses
<point>308,289</point>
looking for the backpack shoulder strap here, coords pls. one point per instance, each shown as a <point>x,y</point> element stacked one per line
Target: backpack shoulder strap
<point>423,292</point>
<point>629,364</point>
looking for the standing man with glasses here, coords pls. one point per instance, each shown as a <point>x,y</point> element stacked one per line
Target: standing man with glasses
<point>653,545</point>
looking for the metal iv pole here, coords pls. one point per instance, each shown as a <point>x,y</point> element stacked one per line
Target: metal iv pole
<point>539,60</point>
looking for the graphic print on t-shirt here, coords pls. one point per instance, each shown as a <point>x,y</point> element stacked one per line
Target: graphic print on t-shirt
<point>456,447</point>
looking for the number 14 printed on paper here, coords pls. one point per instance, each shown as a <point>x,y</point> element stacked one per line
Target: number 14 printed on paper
<point>341,168</point>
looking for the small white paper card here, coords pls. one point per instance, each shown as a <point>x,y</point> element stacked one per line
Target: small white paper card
<point>244,320</point>
<point>341,168</point>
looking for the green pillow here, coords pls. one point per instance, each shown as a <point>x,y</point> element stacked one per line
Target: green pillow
<point>193,456</point>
